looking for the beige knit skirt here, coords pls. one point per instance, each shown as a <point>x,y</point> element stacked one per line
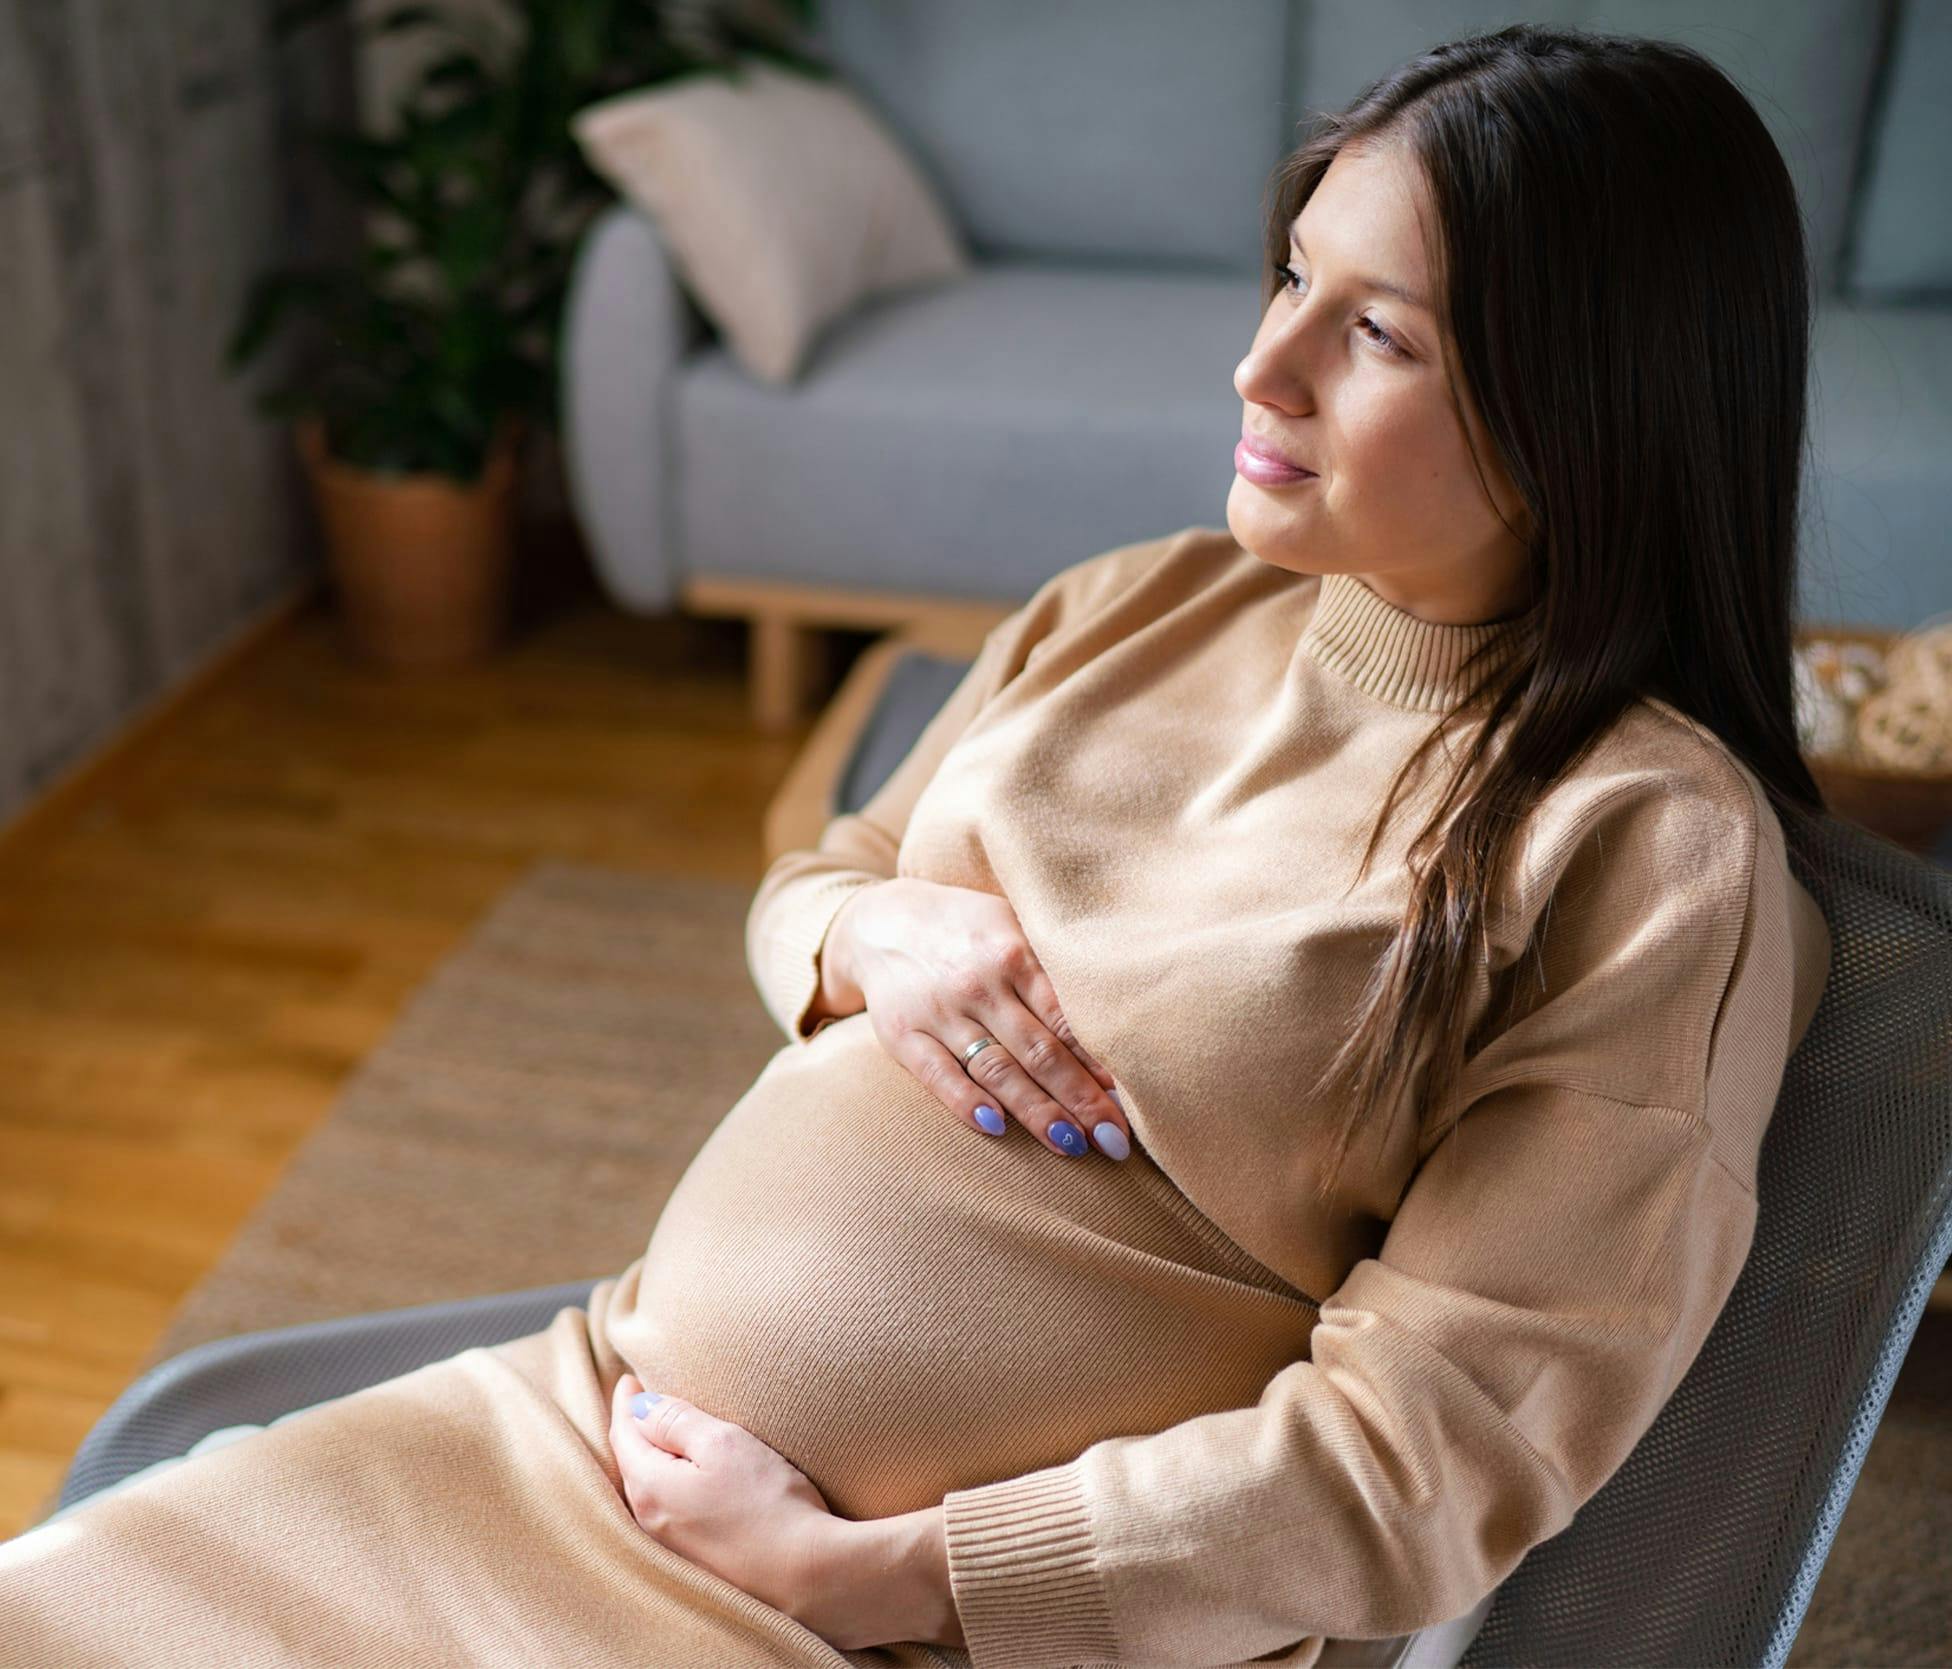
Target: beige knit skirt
<point>469,1512</point>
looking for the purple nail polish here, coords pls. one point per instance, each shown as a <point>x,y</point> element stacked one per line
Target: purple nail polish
<point>990,1119</point>
<point>640,1405</point>
<point>1068,1137</point>
<point>1112,1140</point>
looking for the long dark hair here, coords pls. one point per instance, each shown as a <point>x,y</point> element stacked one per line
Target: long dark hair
<point>1627,291</point>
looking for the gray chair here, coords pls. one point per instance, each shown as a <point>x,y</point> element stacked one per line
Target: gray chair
<point>1705,1547</point>
<point>255,1377</point>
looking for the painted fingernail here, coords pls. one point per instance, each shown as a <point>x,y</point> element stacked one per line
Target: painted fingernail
<point>1112,1139</point>
<point>1118,1098</point>
<point>990,1119</point>
<point>640,1405</point>
<point>1069,1137</point>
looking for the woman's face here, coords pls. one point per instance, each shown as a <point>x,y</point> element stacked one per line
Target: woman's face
<point>1346,378</point>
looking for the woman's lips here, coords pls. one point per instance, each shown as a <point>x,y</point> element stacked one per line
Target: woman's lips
<point>1264,471</point>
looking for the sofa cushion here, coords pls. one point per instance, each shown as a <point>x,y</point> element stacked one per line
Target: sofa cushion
<point>1142,129</point>
<point>1029,416</point>
<point>782,200</point>
<point>1026,416</point>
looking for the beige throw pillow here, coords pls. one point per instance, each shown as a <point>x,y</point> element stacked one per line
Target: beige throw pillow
<point>782,200</point>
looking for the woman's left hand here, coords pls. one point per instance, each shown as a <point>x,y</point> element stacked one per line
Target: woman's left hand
<point>714,1494</point>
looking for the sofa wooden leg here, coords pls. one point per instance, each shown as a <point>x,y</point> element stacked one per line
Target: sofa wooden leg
<point>785,659</point>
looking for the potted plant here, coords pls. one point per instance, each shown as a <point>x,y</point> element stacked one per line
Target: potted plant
<point>425,362</point>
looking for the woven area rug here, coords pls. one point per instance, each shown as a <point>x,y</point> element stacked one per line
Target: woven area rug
<point>525,1119</point>
<point>529,1114</point>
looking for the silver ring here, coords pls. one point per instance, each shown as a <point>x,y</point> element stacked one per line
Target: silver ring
<point>976,1048</point>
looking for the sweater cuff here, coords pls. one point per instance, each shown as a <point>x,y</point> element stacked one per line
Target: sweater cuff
<point>1024,1573</point>
<point>793,969</point>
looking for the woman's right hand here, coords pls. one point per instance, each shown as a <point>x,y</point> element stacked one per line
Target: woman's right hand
<point>940,966</point>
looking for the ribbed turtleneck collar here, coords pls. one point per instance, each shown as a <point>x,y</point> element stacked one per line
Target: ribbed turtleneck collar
<point>1397,657</point>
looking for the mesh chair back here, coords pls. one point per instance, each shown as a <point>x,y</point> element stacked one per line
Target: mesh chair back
<point>1705,1547</point>
<point>254,1377</point>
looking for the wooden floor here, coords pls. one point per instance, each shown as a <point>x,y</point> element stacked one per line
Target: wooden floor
<point>200,943</point>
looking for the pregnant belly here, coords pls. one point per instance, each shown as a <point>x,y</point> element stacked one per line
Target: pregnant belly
<point>902,1306</point>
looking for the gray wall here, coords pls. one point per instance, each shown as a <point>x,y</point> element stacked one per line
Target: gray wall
<point>148,514</point>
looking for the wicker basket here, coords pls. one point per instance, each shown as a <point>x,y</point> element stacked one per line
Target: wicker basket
<point>1912,808</point>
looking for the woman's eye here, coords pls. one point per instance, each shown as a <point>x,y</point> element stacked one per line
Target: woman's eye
<point>1382,338</point>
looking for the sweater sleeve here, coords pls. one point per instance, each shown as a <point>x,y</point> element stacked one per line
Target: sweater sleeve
<point>1557,1260</point>
<point>802,891</point>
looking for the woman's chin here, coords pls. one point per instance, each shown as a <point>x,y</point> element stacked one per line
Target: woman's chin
<point>1264,529</point>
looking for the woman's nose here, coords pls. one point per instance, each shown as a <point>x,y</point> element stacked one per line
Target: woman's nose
<point>1268,378</point>
<point>1276,371</point>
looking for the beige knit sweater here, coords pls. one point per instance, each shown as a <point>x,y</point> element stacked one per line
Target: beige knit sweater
<point>1178,1412</point>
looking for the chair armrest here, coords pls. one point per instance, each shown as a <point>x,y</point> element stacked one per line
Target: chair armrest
<point>628,327</point>
<point>890,693</point>
<point>251,1378</point>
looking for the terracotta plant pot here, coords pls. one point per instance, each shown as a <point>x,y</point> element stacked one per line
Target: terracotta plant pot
<point>421,562</point>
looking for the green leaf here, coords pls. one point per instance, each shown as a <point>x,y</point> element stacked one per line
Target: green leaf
<point>365,165</point>
<point>451,315</point>
<point>271,299</point>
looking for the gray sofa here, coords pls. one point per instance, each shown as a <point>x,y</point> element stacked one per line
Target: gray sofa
<point>1106,161</point>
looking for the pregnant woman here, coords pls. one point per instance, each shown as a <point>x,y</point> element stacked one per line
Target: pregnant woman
<point>1409,856</point>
